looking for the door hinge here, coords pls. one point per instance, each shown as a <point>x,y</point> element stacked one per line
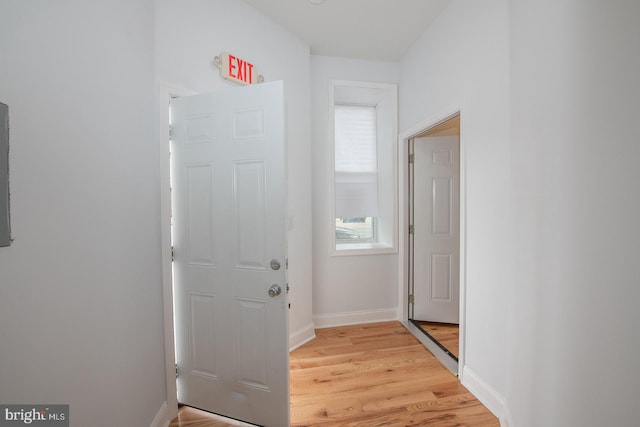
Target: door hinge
<point>411,229</point>
<point>177,373</point>
<point>170,131</point>
<point>173,254</point>
<point>412,158</point>
<point>412,299</point>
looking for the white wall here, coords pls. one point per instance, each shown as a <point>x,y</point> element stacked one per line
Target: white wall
<point>80,288</point>
<point>345,288</point>
<point>189,34</point>
<point>462,62</point>
<point>575,344</point>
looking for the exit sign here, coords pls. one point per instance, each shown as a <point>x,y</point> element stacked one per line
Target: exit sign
<point>237,69</point>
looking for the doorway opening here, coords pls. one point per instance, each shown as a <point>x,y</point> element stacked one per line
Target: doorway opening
<point>166,94</point>
<point>433,260</point>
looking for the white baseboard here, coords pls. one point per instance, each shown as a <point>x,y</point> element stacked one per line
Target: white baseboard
<point>161,419</point>
<point>302,336</point>
<point>486,394</point>
<point>355,317</point>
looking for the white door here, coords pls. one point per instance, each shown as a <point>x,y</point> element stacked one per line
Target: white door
<point>436,240</point>
<point>228,178</point>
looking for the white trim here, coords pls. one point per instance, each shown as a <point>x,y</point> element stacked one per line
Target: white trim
<point>487,395</point>
<point>302,336</point>
<point>165,92</point>
<point>403,186</point>
<point>355,317</point>
<point>433,121</point>
<point>350,249</point>
<point>362,84</point>
<point>161,419</point>
<point>403,225</point>
<point>462,338</point>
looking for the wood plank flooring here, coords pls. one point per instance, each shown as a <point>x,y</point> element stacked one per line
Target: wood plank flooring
<point>192,417</point>
<point>446,334</point>
<point>369,375</point>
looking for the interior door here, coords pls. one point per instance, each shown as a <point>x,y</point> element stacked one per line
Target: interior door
<point>436,238</point>
<point>228,186</point>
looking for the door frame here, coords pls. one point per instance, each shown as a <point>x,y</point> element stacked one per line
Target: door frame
<point>166,92</point>
<point>403,219</point>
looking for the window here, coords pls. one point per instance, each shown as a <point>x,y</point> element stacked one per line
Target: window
<point>356,173</point>
<point>364,197</point>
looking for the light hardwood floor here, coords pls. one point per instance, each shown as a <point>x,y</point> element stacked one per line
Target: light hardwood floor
<point>369,375</point>
<point>191,417</point>
<point>446,334</point>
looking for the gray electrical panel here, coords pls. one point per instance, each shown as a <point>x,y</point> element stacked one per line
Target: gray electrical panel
<point>5,225</point>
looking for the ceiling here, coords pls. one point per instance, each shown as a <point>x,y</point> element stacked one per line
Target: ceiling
<point>365,29</point>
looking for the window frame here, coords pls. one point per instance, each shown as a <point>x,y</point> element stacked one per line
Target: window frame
<point>383,96</point>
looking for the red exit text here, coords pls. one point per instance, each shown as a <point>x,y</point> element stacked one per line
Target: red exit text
<point>236,69</point>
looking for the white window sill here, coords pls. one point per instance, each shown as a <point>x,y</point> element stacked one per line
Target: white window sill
<point>349,249</point>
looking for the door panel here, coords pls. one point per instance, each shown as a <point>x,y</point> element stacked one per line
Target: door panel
<point>436,241</point>
<point>252,343</point>
<point>249,202</point>
<point>200,215</point>
<point>441,284</point>
<point>203,337</point>
<point>228,179</point>
<point>441,206</point>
